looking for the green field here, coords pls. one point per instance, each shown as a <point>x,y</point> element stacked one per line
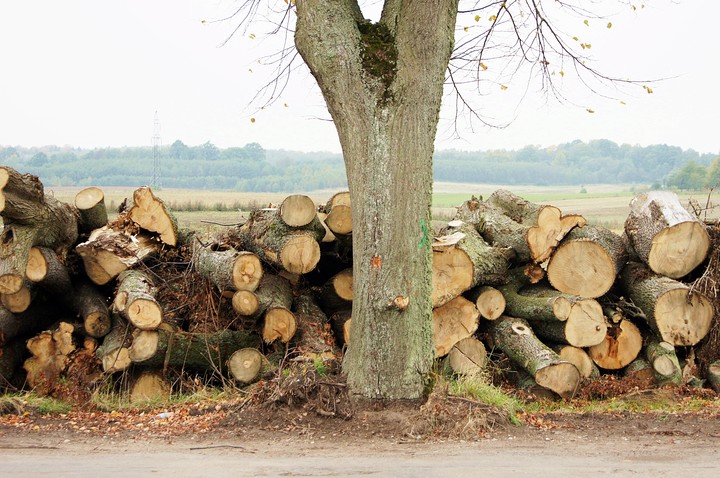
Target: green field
<point>605,205</point>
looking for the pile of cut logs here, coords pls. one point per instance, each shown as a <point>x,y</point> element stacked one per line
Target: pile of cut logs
<point>86,296</point>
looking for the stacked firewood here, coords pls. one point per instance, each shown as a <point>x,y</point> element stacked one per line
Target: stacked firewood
<point>564,300</point>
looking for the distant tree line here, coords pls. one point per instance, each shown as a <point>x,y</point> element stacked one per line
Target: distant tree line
<point>252,168</point>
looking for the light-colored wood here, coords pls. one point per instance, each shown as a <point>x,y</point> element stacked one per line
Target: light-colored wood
<point>144,345</point>
<point>245,302</point>
<point>579,358</point>
<point>245,365</point>
<point>150,386</point>
<point>664,235</point>
<point>452,322</point>
<point>468,356</point>
<point>20,300</point>
<point>90,203</point>
<point>135,300</point>
<point>621,346</point>
<point>489,301</point>
<point>337,293</point>
<point>339,219</point>
<point>50,351</point>
<point>279,324</point>
<point>150,213</point>
<point>297,210</point>
<point>664,361</point>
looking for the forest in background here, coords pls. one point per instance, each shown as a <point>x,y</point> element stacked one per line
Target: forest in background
<point>254,169</point>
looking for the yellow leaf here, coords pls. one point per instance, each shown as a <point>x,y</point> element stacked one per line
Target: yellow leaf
<point>503,87</point>
<point>588,46</point>
<point>466,28</point>
<point>252,36</point>
<point>477,18</point>
<point>575,38</point>
<point>609,25</point>
<point>582,45</point>
<point>285,105</point>
<point>623,103</point>
<point>587,23</point>
<point>252,120</point>
<point>649,90</point>
<point>492,18</point>
<point>483,66</point>
<point>590,110</point>
<point>562,73</point>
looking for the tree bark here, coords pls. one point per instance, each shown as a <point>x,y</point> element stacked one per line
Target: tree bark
<point>664,361</point>
<point>30,219</point>
<point>228,269</point>
<point>666,237</point>
<point>383,89</point>
<point>462,260</point>
<point>677,314</point>
<point>515,337</point>
<point>587,262</point>
<point>90,203</point>
<point>452,322</point>
<point>135,300</point>
<point>149,212</point>
<point>314,338</point>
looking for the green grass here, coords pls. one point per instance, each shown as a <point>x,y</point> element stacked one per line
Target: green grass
<point>27,402</point>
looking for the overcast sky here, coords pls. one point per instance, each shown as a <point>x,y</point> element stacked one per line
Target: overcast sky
<point>92,73</point>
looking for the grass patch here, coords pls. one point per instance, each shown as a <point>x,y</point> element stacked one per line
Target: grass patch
<point>31,403</point>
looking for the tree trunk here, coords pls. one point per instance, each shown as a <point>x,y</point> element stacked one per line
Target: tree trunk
<point>622,344</point>
<point>515,337</point>
<point>489,301</point>
<point>666,237</point>
<point>90,203</point>
<point>677,314</point>
<point>383,89</point>
<point>228,269</point>
<point>587,262</point>
<point>462,260</point>
<point>452,322</point>
<point>107,253</point>
<point>30,219</point>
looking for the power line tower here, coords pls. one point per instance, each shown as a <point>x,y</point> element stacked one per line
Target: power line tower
<point>156,143</point>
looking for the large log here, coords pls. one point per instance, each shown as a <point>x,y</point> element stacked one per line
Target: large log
<point>515,337</point>
<point>462,259</point>
<point>664,235</point>
<point>49,359</point>
<point>30,219</point>
<point>196,351</point>
<point>114,352</point>
<point>452,322</point>
<point>546,224</point>
<point>107,253</point>
<point>92,309</point>
<point>295,250</point>
<point>587,261</point>
<point>676,313</point>
<point>622,344</point>
<point>228,269</point>
<point>150,213</point>
<point>135,300</point>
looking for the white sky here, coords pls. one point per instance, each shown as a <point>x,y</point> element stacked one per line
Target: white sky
<point>92,73</point>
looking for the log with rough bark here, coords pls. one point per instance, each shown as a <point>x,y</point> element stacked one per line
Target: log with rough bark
<point>515,337</point>
<point>664,235</point>
<point>622,344</point>
<point>150,386</point>
<point>641,371</point>
<point>452,322</point>
<point>245,365</point>
<point>587,261</point>
<point>135,300</point>
<point>30,219</point>
<point>676,313</point>
<point>150,213</point>
<point>314,338</point>
<point>227,268</point>
<point>340,322</point>
<point>713,375</point>
<point>579,358</point>
<point>90,203</point>
<point>664,361</point>
<point>554,315</point>
<point>546,224</point>
<point>114,352</point>
<point>49,359</point>
<point>467,357</point>
<point>45,267</point>
<point>462,259</point>
<point>337,293</point>
<point>297,210</point>
<point>489,301</point>
<point>272,291</point>
<point>295,250</point>
<point>92,309</point>
<point>107,253</point>
<point>196,351</point>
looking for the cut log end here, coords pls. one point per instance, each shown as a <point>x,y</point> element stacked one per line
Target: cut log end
<point>342,283</point>
<point>452,273</point>
<point>580,359</point>
<point>468,356</point>
<point>453,322</point>
<point>149,213</point>
<point>586,324</point>
<point>145,314</point>
<point>144,345</point>
<point>621,346</point>
<point>17,302</point>
<point>247,271</point>
<point>490,303</point>
<point>37,267</point>
<point>562,378</point>
<point>245,302</point>
<point>300,254</point>
<point>682,318</point>
<point>679,249</point>
<point>117,360</point>
<point>245,365</point>
<point>97,324</point>
<point>339,219</point>
<point>89,198</point>
<point>297,210</point>
<point>150,386</point>
<point>279,324</point>
<point>10,283</point>
<point>582,268</point>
